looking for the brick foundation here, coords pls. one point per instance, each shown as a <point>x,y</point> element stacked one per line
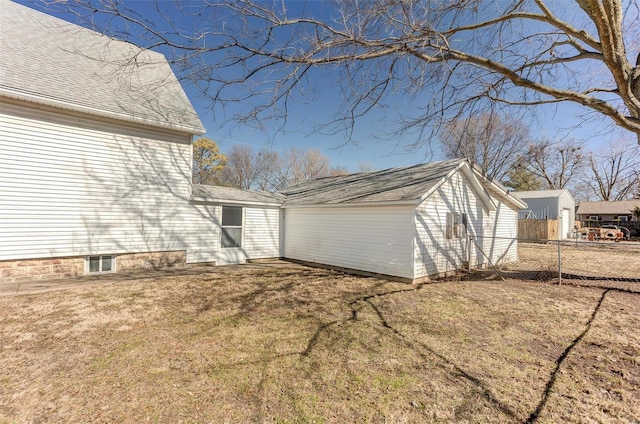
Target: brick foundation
<point>52,268</point>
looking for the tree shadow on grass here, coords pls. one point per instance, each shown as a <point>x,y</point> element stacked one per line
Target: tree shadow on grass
<point>279,292</point>
<point>533,417</point>
<point>419,348</point>
<point>367,301</point>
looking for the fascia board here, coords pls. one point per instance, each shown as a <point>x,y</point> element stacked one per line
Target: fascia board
<point>62,104</point>
<point>439,183</point>
<point>201,201</point>
<point>478,187</point>
<point>347,205</point>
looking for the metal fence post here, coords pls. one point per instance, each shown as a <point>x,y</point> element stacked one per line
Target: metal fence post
<point>559,263</point>
<point>469,238</point>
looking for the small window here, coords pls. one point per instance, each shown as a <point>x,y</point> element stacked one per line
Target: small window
<point>98,264</point>
<point>231,226</point>
<point>621,218</point>
<point>456,225</point>
<point>593,218</point>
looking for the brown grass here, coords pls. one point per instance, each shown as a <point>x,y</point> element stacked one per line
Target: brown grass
<point>294,344</point>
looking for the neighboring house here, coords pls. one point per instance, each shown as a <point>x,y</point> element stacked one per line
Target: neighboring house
<point>95,176</point>
<point>594,212</point>
<point>409,222</point>
<point>95,169</point>
<point>549,204</point>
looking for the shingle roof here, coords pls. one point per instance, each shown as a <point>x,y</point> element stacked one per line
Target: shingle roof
<point>623,207</point>
<point>406,183</point>
<point>50,61</point>
<point>538,194</point>
<point>218,194</point>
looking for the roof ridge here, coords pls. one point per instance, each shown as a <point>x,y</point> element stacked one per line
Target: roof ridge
<point>359,175</point>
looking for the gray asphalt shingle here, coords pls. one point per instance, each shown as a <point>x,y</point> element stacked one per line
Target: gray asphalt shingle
<point>389,185</point>
<point>623,207</point>
<point>58,63</point>
<point>218,194</point>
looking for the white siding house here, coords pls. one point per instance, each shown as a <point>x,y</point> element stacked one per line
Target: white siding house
<point>411,222</point>
<point>491,226</point>
<point>95,176</point>
<point>95,169</point>
<point>549,204</point>
<point>75,186</point>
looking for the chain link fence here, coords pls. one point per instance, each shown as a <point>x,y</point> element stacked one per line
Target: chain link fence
<point>578,262</point>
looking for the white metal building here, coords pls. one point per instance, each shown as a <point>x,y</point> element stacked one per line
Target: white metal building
<point>550,204</point>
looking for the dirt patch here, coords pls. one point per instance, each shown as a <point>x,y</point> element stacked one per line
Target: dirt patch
<point>294,344</point>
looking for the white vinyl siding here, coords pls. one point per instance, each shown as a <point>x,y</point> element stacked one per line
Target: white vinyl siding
<point>262,232</point>
<point>260,236</point>
<point>73,186</point>
<point>374,239</point>
<point>500,236</point>
<point>434,253</point>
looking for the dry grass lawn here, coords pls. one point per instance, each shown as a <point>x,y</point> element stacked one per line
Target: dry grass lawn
<point>601,264</point>
<point>604,259</point>
<point>294,344</point>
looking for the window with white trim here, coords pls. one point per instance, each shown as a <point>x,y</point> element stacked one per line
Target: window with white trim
<point>231,234</point>
<point>593,218</point>
<point>456,225</point>
<point>621,218</point>
<point>100,263</point>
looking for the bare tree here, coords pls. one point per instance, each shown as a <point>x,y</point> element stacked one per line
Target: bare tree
<point>614,172</point>
<point>446,58</point>
<point>208,162</point>
<point>556,164</point>
<point>241,170</point>
<point>492,142</point>
<point>302,165</point>
<point>338,170</point>
<point>366,167</point>
<point>268,164</point>
<point>268,170</point>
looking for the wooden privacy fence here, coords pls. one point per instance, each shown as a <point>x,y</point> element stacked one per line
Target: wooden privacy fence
<point>538,229</point>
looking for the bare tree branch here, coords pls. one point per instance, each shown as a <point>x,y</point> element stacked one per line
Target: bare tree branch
<point>613,173</point>
<point>445,58</point>
<point>555,163</point>
<point>492,142</point>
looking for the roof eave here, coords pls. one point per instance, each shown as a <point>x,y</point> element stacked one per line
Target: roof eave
<point>218,201</point>
<point>437,185</point>
<point>500,190</point>
<point>412,202</point>
<point>61,104</point>
<point>478,187</point>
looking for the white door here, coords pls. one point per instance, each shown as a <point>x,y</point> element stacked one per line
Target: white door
<point>565,229</point>
<point>232,236</point>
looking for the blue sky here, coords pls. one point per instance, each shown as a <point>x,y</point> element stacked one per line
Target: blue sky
<point>558,121</point>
